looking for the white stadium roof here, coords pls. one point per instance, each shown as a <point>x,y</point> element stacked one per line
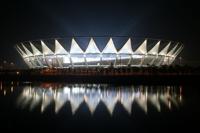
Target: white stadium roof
<point>106,56</point>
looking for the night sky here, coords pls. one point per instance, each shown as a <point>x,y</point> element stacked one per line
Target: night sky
<point>23,20</point>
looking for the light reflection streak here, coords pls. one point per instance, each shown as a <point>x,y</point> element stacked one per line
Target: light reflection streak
<point>93,94</point>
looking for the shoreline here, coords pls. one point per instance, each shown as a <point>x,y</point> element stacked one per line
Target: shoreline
<point>126,79</point>
<point>150,75</point>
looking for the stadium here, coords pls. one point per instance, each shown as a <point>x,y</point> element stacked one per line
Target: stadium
<point>40,54</point>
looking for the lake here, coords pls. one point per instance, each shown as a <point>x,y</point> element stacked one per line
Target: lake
<point>70,107</point>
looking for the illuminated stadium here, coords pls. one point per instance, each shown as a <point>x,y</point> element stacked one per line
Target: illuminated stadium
<point>41,54</point>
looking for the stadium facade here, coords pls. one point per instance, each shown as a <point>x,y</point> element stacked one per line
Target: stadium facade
<point>93,57</point>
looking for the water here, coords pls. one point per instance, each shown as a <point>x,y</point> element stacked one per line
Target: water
<point>52,107</point>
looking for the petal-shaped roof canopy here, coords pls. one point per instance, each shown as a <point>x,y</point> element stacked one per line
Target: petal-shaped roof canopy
<point>59,48</point>
<point>127,48</point>
<point>178,51</point>
<point>92,47</point>
<point>21,51</point>
<point>165,49</point>
<point>45,49</point>
<point>171,52</point>
<point>93,57</point>
<point>75,49</point>
<point>110,47</point>
<point>28,53</point>
<point>154,50</point>
<point>142,49</point>
<point>35,50</point>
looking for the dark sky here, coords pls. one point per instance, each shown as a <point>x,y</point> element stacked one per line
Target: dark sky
<point>23,20</point>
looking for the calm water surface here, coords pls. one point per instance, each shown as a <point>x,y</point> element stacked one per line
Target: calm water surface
<point>66,107</point>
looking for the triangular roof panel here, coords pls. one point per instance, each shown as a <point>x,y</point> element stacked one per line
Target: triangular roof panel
<point>28,53</point>
<point>110,47</point>
<point>171,52</point>
<point>75,49</point>
<point>127,48</point>
<point>154,50</point>
<point>35,50</point>
<point>178,51</point>
<point>59,48</point>
<point>92,47</point>
<point>142,49</point>
<point>45,49</point>
<point>21,51</point>
<point>165,49</point>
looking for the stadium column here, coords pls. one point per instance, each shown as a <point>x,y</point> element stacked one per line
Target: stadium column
<point>142,59</point>
<point>70,58</point>
<point>100,59</point>
<point>153,60</point>
<point>39,62</point>
<point>116,58</point>
<point>85,60</point>
<point>168,60</point>
<point>161,60</point>
<point>59,63</point>
<point>129,60</point>
<point>28,62</point>
<point>44,59</point>
<point>32,62</point>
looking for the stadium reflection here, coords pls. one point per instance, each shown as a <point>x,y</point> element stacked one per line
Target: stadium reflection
<point>92,94</point>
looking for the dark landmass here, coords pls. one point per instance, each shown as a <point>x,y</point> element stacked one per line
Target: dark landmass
<point>132,75</point>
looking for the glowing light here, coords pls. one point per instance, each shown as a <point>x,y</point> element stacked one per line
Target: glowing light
<point>1,85</point>
<point>180,98</point>
<point>169,104</point>
<point>11,89</point>
<point>4,92</point>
